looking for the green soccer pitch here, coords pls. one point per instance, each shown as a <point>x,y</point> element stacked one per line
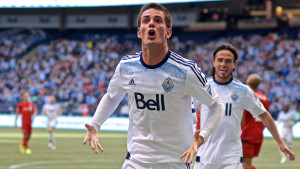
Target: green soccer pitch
<point>72,154</point>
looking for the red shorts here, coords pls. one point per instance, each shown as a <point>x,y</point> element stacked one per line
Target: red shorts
<point>26,128</point>
<point>251,150</point>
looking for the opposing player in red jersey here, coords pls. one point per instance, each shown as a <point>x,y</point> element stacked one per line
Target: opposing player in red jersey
<point>252,128</point>
<point>27,109</point>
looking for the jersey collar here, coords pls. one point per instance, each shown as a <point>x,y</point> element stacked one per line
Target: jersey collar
<point>222,83</point>
<point>157,65</point>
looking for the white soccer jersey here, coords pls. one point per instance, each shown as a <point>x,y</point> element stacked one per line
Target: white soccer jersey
<point>159,97</point>
<point>51,111</point>
<point>288,118</point>
<point>224,145</point>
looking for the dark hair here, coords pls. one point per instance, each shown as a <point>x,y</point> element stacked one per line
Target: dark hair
<point>225,46</point>
<point>168,18</point>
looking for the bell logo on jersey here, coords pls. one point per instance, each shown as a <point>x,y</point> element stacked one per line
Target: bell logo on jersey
<point>158,104</point>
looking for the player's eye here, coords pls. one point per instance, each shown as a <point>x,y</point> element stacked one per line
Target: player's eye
<point>158,20</point>
<point>145,20</point>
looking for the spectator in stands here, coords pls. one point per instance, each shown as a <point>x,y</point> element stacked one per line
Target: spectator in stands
<point>59,67</point>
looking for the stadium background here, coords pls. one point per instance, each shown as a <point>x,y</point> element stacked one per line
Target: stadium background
<point>71,52</point>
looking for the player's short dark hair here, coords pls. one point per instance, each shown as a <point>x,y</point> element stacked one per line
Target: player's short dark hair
<point>253,81</point>
<point>225,46</point>
<point>168,18</point>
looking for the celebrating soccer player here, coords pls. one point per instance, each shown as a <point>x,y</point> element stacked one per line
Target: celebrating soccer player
<point>159,84</point>
<point>223,148</point>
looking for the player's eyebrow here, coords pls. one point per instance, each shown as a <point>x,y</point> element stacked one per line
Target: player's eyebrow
<point>156,16</point>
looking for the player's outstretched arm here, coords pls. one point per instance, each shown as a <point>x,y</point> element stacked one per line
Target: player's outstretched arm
<point>35,112</point>
<point>17,115</point>
<point>190,154</point>
<point>270,124</point>
<point>92,138</point>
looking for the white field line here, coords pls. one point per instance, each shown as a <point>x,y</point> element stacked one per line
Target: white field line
<point>21,165</point>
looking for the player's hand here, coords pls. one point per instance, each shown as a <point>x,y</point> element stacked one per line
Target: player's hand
<point>92,137</point>
<point>291,155</point>
<point>198,141</point>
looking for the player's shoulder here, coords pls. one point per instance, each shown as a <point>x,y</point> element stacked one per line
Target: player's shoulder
<point>261,95</point>
<point>210,79</point>
<point>238,83</point>
<point>181,60</point>
<point>131,57</point>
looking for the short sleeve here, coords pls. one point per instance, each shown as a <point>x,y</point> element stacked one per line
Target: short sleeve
<point>198,87</point>
<point>253,104</point>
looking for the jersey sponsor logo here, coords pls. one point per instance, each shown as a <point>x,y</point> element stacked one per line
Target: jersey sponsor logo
<point>157,104</point>
<point>29,108</point>
<point>209,90</point>
<point>131,82</point>
<point>168,85</point>
<point>234,96</point>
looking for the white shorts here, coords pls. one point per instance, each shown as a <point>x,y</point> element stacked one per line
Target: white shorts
<point>51,123</point>
<point>199,165</point>
<point>287,136</point>
<point>129,164</point>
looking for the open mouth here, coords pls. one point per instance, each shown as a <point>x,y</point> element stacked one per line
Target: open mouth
<point>222,70</point>
<point>151,33</point>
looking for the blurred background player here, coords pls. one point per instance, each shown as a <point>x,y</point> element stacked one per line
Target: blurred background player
<point>51,110</point>
<point>27,110</point>
<point>288,117</point>
<point>252,128</point>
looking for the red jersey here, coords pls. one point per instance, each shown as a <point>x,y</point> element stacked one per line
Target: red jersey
<point>26,109</point>
<point>252,129</point>
<point>198,119</point>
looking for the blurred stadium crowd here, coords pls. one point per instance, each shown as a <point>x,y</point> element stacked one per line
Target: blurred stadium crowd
<point>77,69</point>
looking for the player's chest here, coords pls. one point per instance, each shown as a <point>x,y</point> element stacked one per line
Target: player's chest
<point>153,81</point>
<point>27,108</point>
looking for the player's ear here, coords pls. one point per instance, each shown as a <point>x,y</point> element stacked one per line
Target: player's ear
<point>213,60</point>
<point>169,33</point>
<point>139,33</point>
<point>235,63</point>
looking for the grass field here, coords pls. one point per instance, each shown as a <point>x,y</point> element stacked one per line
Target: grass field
<point>71,154</point>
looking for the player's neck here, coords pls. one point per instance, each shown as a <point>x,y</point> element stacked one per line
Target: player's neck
<point>153,55</point>
<point>222,81</point>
